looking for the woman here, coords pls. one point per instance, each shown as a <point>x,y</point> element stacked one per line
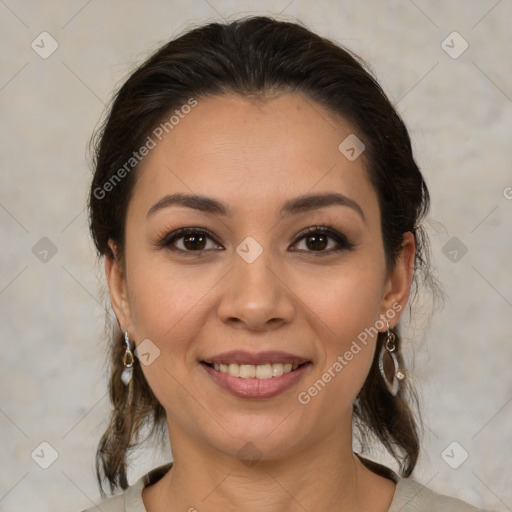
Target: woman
<point>259,208</point>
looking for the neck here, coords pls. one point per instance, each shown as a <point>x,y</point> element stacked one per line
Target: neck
<point>325,476</point>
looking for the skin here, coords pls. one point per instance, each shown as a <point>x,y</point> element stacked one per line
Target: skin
<point>294,297</point>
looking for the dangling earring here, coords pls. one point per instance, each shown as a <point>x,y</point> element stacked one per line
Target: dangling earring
<point>388,363</point>
<point>128,360</point>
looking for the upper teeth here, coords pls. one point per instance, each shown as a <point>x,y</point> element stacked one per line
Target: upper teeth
<point>259,371</point>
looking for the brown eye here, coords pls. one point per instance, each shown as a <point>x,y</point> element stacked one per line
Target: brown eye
<point>317,242</point>
<point>194,241</point>
<point>317,239</point>
<point>188,240</point>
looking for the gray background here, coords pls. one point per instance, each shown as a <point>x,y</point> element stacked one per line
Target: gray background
<point>459,112</point>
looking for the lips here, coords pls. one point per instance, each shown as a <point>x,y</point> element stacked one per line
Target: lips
<point>261,375</point>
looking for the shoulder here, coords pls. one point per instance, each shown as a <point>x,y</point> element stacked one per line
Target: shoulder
<point>131,499</point>
<point>411,496</point>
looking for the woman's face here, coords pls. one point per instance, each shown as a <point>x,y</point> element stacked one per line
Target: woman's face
<point>248,279</point>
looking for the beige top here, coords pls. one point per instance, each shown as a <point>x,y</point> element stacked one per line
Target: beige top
<point>410,496</point>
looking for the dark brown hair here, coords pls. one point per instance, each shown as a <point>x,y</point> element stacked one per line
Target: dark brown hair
<point>255,57</point>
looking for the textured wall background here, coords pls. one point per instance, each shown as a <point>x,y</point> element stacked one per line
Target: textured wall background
<point>457,103</point>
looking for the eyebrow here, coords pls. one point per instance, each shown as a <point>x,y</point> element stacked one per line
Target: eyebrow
<point>291,206</point>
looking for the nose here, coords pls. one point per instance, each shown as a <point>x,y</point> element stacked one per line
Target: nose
<point>256,296</point>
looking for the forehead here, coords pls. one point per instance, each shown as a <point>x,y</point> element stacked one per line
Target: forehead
<point>253,153</point>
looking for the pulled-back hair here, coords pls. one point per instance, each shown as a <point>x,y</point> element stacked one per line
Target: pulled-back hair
<point>256,57</point>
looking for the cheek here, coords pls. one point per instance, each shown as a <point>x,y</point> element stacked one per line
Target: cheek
<point>347,299</point>
<point>165,307</point>
<point>345,315</point>
<point>161,298</point>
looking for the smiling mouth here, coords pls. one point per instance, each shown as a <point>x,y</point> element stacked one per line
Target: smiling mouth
<point>252,371</point>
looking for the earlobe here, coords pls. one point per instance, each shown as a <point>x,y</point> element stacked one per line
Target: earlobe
<point>117,287</point>
<point>399,281</point>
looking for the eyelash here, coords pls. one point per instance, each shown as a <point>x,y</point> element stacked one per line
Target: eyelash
<point>340,239</point>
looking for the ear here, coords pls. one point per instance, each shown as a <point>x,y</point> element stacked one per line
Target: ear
<point>116,280</point>
<point>398,283</point>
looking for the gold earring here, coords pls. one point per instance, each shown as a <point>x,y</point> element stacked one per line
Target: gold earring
<point>128,361</point>
<point>388,363</point>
